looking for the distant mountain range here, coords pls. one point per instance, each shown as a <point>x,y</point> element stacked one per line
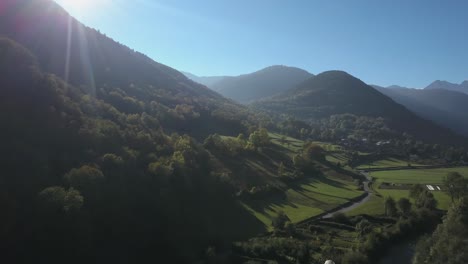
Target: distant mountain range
<point>445,107</point>
<point>208,81</point>
<point>336,92</point>
<point>463,87</point>
<point>257,85</point>
<point>442,102</point>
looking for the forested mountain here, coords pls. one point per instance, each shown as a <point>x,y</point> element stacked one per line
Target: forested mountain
<point>444,107</point>
<point>101,152</point>
<point>208,81</point>
<point>260,84</point>
<point>113,72</point>
<point>463,87</point>
<point>336,93</point>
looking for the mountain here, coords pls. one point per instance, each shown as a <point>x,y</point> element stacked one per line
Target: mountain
<point>208,81</point>
<point>445,107</point>
<point>336,93</point>
<point>101,153</point>
<point>89,59</point>
<point>260,84</point>
<point>463,87</point>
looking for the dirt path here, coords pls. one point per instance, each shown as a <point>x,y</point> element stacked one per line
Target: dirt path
<point>348,207</point>
<point>357,203</point>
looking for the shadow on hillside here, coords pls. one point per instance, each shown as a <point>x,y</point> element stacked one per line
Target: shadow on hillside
<point>256,169</point>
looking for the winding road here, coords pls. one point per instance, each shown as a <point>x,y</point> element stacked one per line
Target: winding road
<point>357,203</point>
<point>363,199</point>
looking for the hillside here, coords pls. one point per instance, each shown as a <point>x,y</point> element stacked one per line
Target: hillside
<point>462,87</point>
<point>444,107</point>
<point>116,74</point>
<point>102,152</point>
<point>260,84</point>
<point>87,181</point>
<point>336,93</point>
<point>110,156</point>
<point>208,81</point>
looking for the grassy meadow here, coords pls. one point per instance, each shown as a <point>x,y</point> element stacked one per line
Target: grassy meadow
<point>304,199</point>
<point>375,205</point>
<point>385,163</point>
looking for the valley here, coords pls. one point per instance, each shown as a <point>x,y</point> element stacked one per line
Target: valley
<point>110,156</point>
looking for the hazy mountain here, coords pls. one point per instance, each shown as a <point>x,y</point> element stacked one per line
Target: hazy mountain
<point>444,107</point>
<point>260,84</point>
<point>208,81</point>
<point>336,92</point>
<point>463,87</point>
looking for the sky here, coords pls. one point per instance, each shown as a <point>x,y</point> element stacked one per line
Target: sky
<point>408,43</point>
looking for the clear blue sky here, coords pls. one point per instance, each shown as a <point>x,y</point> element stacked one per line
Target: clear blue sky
<point>405,42</point>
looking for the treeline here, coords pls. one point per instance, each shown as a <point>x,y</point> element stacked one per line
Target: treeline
<point>364,134</point>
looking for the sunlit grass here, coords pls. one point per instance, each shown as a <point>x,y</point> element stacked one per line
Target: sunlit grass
<point>304,200</point>
<point>375,206</point>
<point>422,176</point>
<point>390,162</point>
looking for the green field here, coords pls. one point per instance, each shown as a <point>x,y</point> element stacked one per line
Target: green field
<point>305,199</point>
<point>375,206</point>
<point>292,144</point>
<point>390,162</point>
<point>422,176</point>
<point>337,157</point>
<point>329,147</point>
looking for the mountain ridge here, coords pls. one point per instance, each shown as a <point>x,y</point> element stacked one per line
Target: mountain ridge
<point>268,81</point>
<point>337,92</point>
<point>438,84</point>
<point>445,107</point>
<point>208,81</point>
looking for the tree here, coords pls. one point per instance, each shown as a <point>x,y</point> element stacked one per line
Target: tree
<point>279,221</point>
<point>281,170</point>
<point>426,200</point>
<point>58,199</point>
<point>161,169</point>
<point>260,138</point>
<point>283,140</point>
<point>363,228</point>
<point>314,151</point>
<point>73,201</point>
<point>390,207</point>
<point>404,206</point>
<point>416,191</point>
<point>298,161</point>
<point>87,179</point>
<point>455,185</point>
<point>84,176</point>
